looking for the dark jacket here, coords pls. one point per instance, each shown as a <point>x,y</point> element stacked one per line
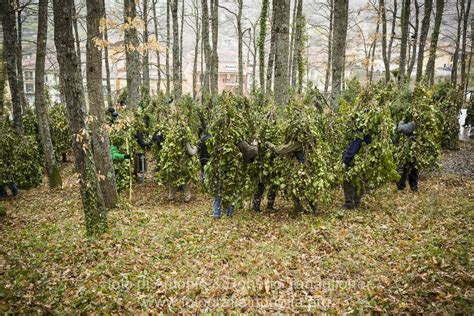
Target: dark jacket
<point>354,148</point>
<point>140,140</point>
<point>203,151</point>
<point>158,139</point>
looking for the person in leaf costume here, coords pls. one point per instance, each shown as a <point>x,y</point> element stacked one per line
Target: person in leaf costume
<point>177,157</point>
<point>368,158</point>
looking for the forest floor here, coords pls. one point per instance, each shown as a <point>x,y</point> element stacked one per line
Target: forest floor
<point>401,252</point>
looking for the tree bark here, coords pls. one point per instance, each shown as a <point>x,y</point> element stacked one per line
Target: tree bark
<point>386,61</point>
<point>261,44</point>
<point>281,9</point>
<point>412,59</point>
<point>106,59</point>
<point>392,32</point>
<point>463,50</point>
<point>240,46</point>
<point>100,136</point>
<point>291,69</point>
<point>425,27</point>
<point>176,64</point>
<point>54,176</point>
<point>157,52</point>
<point>405,19</point>
<point>215,58</point>
<point>373,48</point>
<point>207,50</point>
<point>146,54</point>
<point>271,54</point>
<point>339,45</point>
<point>181,43</point>
<point>168,43</point>
<point>434,42</point>
<point>196,49</point>
<point>297,71</point>
<point>10,36</point>
<point>75,18</point>
<point>329,61</point>
<point>460,12</point>
<point>92,200</point>
<point>19,59</point>
<point>132,56</point>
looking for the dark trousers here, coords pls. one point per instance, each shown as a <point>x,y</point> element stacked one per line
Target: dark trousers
<point>257,198</point>
<point>411,174</point>
<point>351,196</point>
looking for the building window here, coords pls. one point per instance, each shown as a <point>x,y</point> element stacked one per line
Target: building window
<point>29,88</point>
<point>28,75</point>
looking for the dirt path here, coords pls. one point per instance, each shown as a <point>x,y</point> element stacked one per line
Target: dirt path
<point>460,161</point>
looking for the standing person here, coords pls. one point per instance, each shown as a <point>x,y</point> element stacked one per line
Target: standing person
<point>408,171</point>
<point>352,193</point>
<point>203,152</point>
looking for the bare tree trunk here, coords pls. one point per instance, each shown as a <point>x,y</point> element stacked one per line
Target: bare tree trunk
<point>176,64</point>
<point>425,27</point>
<point>296,76</point>
<point>146,52</point>
<point>463,50</point>
<point>92,200</point>
<point>132,56</point>
<point>19,58</point>
<point>281,11</point>
<point>196,49</point>
<point>460,13</point>
<point>54,177</point>
<point>271,54</point>
<point>412,59</point>
<point>240,46</point>
<point>181,43</point>
<point>75,18</point>
<point>328,66</point>
<point>392,32</point>
<point>385,58</point>
<point>10,36</point>
<point>215,57</point>
<point>3,77</point>
<point>254,67</point>
<point>291,69</point>
<point>207,50</point>
<point>339,45</point>
<point>430,66</point>
<point>157,52</point>
<point>468,75</point>
<point>106,60</point>
<point>405,19</point>
<point>373,48</point>
<point>168,43</point>
<point>261,44</point>
<point>100,136</point>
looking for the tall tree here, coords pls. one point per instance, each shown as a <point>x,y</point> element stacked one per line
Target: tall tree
<point>54,177</point>
<point>146,53</point>
<point>261,44</point>
<point>183,13</point>
<point>271,54</point>
<point>100,136</point>
<point>430,66</point>
<point>176,64</point>
<point>197,34</point>
<point>425,27</point>
<point>168,43</point>
<point>460,18</point>
<point>392,31</point>
<point>291,70</point>
<point>281,11</point>
<point>329,48</point>
<point>205,90</point>
<point>463,46</point>
<point>19,56</point>
<point>106,58</point>
<point>297,72</point>
<point>11,41</point>
<point>75,17</point>
<point>157,52</point>
<point>215,58</point>
<point>339,45</point>
<point>405,20</point>
<point>92,200</point>
<point>132,56</point>
<point>412,59</point>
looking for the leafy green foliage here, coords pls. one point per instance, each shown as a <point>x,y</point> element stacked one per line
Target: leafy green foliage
<point>422,149</point>
<point>176,166</point>
<point>59,129</point>
<point>449,101</point>
<point>370,115</point>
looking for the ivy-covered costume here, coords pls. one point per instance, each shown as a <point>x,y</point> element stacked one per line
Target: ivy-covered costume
<point>352,194</point>
<point>408,171</point>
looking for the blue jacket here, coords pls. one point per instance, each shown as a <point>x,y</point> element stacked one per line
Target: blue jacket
<point>354,148</point>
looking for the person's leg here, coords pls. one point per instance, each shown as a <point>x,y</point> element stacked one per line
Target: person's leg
<point>349,194</point>
<point>272,192</point>
<point>172,192</point>
<point>14,189</point>
<point>3,193</point>
<point>230,210</point>
<point>187,192</point>
<point>401,185</point>
<point>297,207</point>
<point>413,179</point>
<point>217,206</point>
<point>257,198</point>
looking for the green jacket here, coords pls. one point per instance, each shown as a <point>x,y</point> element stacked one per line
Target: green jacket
<point>116,154</point>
